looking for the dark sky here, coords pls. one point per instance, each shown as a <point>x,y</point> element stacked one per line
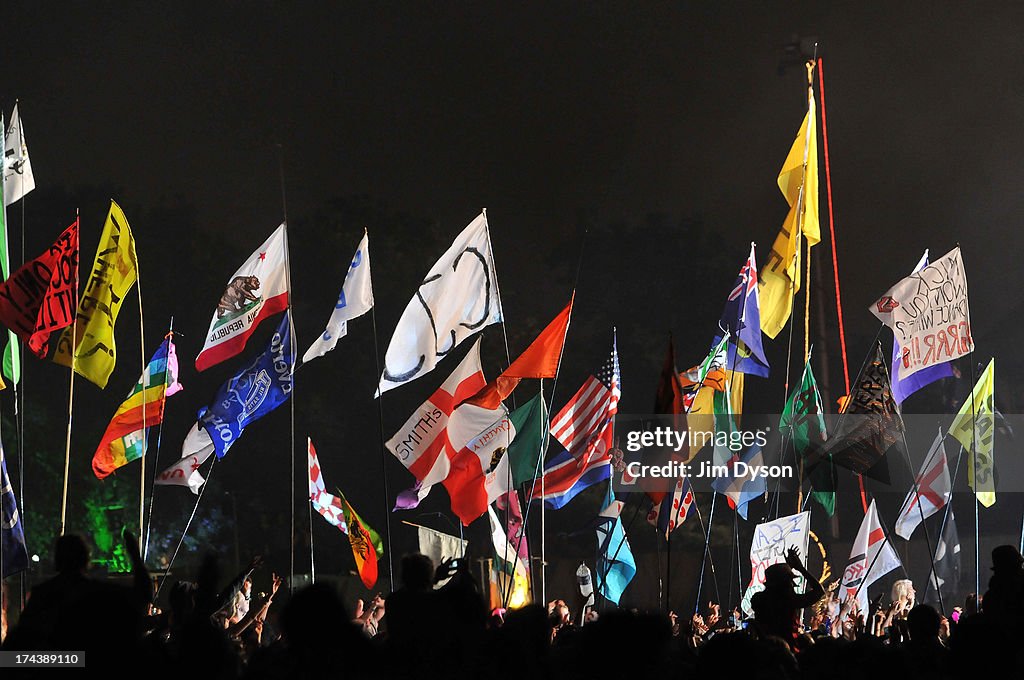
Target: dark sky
<point>630,119</point>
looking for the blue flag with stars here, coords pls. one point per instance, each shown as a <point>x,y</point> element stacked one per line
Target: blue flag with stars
<point>252,392</point>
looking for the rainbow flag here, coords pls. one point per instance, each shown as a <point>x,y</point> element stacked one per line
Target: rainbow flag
<point>367,548</point>
<point>124,439</point>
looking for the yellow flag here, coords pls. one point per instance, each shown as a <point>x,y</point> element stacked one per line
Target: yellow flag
<point>113,274</point>
<point>736,394</point>
<point>974,428</point>
<point>780,274</point>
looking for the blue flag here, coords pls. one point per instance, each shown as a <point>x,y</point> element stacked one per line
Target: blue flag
<point>15,554</point>
<point>615,564</point>
<point>742,318</point>
<point>252,392</point>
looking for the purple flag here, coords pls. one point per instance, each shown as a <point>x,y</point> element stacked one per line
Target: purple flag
<point>411,497</point>
<point>901,389</point>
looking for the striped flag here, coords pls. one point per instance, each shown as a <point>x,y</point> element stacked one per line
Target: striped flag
<point>124,440</point>
<point>587,417</point>
<point>584,427</point>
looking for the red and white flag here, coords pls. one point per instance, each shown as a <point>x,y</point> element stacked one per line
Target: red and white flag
<point>328,505</point>
<point>932,493</point>
<point>196,448</point>
<point>871,558</point>
<point>256,291</point>
<point>587,417</point>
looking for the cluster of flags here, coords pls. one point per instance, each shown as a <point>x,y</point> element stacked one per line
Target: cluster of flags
<point>463,436</point>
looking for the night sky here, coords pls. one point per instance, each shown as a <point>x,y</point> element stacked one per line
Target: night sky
<point>647,135</point>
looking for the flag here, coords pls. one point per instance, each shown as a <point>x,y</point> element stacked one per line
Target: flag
<point>931,493</point>
<point>422,443</point>
<point>674,509</point>
<point>929,314</point>
<point>565,476</point>
<point>669,399</point>
<point>798,180</point>
<point>871,558</point>
<point>530,421</point>
<point>411,498</point>
<point>39,298</point>
<point>743,484</point>
<point>509,504</point>
<point>741,318</point>
<point>803,421</point>
<point>367,548</point>
<point>195,451</point>
<point>439,546</point>
<point>458,297</point>
<point>328,505</point>
<point>507,564</point>
<point>355,299</point>
<point>92,352</point>
<point>256,291</point>
<point>18,178</point>
<point>585,423</point>
<point>903,388</point>
<point>252,392</point>
<point>540,360</point>
<point>615,564</point>
<point>870,424</point>
<point>946,576</point>
<point>478,473</point>
<point>12,535</point>
<point>12,353</point>
<point>127,433</point>
<point>974,428</point>
<point>769,545</point>
<point>701,383</point>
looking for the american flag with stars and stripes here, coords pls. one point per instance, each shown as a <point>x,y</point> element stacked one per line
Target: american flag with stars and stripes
<point>587,418</point>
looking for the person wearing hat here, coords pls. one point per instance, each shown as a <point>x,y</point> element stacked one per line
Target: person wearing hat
<point>1004,600</point>
<point>777,607</point>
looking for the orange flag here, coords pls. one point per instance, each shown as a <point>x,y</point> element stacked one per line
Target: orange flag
<point>540,360</point>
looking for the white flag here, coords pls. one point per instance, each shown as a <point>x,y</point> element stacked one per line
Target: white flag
<point>197,448</point>
<point>356,299</point>
<point>18,179</point>
<point>256,291</point>
<point>932,494</point>
<point>871,558</point>
<point>458,297</point>
<point>439,546</point>
<point>929,314</point>
<point>769,545</point>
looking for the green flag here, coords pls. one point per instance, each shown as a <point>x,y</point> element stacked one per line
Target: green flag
<point>802,419</point>
<point>530,421</point>
<point>725,426</point>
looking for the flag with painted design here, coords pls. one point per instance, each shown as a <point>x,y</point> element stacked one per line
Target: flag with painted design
<point>931,493</point>
<point>355,299</point>
<point>974,428</point>
<point>195,450</point>
<point>367,548</point>
<point>674,509</point>
<point>255,292</point>
<point>17,171</point>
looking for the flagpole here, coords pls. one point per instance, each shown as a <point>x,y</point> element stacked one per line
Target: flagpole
<point>974,465</point>
<point>383,450</point>
<point>312,561</point>
<point>169,338</point>
<point>71,397</point>
<point>145,381</point>
<point>707,552</point>
<point>19,413</point>
<point>949,504</point>
<point>188,524</point>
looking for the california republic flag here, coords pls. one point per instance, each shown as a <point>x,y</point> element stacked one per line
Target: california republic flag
<point>256,291</point>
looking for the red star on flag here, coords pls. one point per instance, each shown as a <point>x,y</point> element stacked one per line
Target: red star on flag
<point>263,256</point>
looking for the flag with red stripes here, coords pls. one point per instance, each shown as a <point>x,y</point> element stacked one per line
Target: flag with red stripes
<point>587,417</point>
<point>871,558</point>
<point>932,492</point>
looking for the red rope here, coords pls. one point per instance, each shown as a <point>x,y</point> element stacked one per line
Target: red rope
<point>835,260</point>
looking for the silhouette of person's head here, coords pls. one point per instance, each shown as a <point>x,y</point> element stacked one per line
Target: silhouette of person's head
<point>779,576</point>
<point>923,623</point>
<point>1006,559</point>
<point>417,572</point>
<point>71,554</point>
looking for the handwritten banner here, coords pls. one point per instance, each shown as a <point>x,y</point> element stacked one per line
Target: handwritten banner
<point>39,298</point>
<point>770,543</point>
<point>929,314</point>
